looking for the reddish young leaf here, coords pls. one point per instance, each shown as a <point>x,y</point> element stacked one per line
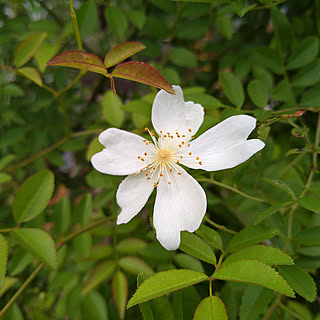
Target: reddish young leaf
<point>122,52</point>
<point>143,73</point>
<point>79,60</point>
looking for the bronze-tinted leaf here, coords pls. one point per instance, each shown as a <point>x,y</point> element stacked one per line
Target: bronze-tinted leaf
<point>143,73</point>
<point>79,60</point>
<point>122,52</point>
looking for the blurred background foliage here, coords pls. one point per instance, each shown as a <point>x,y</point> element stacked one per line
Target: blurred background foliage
<point>253,57</point>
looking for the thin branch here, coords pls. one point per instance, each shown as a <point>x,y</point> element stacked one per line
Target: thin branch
<point>219,226</point>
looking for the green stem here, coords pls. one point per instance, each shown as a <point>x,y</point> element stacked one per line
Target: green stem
<point>8,229</point>
<point>286,309</point>
<point>75,26</point>
<point>210,287</point>
<point>219,226</point>
<point>220,184</point>
<point>272,308</point>
<point>75,80</point>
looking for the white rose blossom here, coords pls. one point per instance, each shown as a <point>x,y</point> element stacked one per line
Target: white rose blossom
<point>180,202</point>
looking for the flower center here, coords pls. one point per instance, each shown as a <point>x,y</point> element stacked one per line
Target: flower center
<point>164,156</point>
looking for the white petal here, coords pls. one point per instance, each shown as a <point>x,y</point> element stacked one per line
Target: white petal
<point>132,195</point>
<point>120,157</point>
<point>178,206</point>
<point>170,113</point>
<point>224,146</point>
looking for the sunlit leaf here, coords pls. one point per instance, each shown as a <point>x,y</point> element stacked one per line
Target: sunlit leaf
<point>120,292</point>
<point>3,259</point>
<point>112,109</point>
<point>79,60</point>
<point>38,243</point>
<point>143,73</point>
<point>254,272</point>
<point>122,52</point>
<point>32,74</point>
<point>211,308</point>
<point>28,48</point>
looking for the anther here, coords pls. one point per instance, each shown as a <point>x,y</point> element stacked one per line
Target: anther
<point>148,178</point>
<point>192,137</point>
<point>179,145</point>
<point>134,173</point>
<point>145,153</point>
<point>188,144</point>
<point>197,158</point>
<point>181,157</point>
<point>146,129</point>
<point>189,130</point>
<point>161,175</point>
<point>190,153</point>
<point>141,170</point>
<point>182,142</point>
<point>179,173</point>
<point>169,182</point>
<point>183,136</point>
<point>164,135</point>
<point>142,159</point>
<point>200,163</point>
<point>178,161</point>
<point>170,170</point>
<point>144,140</point>
<point>139,157</point>
<point>155,185</point>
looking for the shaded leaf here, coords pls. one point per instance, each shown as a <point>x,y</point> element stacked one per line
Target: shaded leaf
<point>196,247</point>
<point>130,246</point>
<point>165,282</point>
<point>211,308</point>
<point>308,75</point>
<point>232,87</point>
<point>309,237</point>
<point>122,52</point>
<point>250,235</point>
<point>38,243</point>
<point>98,274</point>
<point>4,177</point>
<point>300,281</point>
<point>32,74</point>
<point>28,48</point>
<point>79,60</point>
<point>143,73</point>
<point>185,261</point>
<point>135,265</point>
<point>310,202</point>
<point>33,196</point>
<point>254,272</point>
<point>84,209</point>
<point>111,107</point>
<point>258,92</point>
<point>183,58</point>
<point>3,259</point>
<point>120,292</point>
<point>266,254</point>
<point>270,59</point>
<point>117,21</point>
<point>94,306</point>
<point>8,283</point>
<point>266,213</point>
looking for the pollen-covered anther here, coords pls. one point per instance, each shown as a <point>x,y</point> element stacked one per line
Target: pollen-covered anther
<point>134,173</point>
<point>181,157</point>
<point>161,175</point>
<point>189,130</point>
<point>190,153</point>
<point>169,182</point>
<point>200,163</point>
<point>146,129</point>
<point>145,154</point>
<point>188,144</point>
<point>179,173</point>
<point>197,158</point>
<point>155,184</point>
<point>170,170</point>
<point>182,142</point>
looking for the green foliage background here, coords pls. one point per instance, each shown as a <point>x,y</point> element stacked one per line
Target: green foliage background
<point>62,255</point>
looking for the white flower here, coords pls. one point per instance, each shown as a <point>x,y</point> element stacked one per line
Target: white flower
<point>180,201</point>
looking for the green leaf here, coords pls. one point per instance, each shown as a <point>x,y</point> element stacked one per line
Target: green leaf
<point>28,48</point>
<point>210,235</point>
<point>143,73</point>
<point>111,107</point>
<point>98,274</point>
<point>266,213</point>
<point>84,209</point>
<point>117,21</point>
<point>12,90</point>
<point>120,292</point>
<point>46,52</point>
<point>250,235</point>
<point>282,29</point>
<point>61,217</point>
<point>312,97</point>
<point>33,196</point>
<point>300,281</point>
<point>232,87</point>
<point>79,60</point>
<point>130,246</point>
<point>8,283</point>
<point>94,147</point>
<point>122,52</point>
<point>265,254</point>
<point>196,247</point>
<point>87,17</point>
<point>137,17</point>
<point>204,99</point>
<point>185,261</point>
<point>309,237</point>
<point>309,75</point>
<point>135,265</point>
<point>165,282</point>
<point>305,53</point>
<point>211,308</point>
<point>3,259</point>
<point>254,302</point>
<point>255,272</point>
<point>94,306</point>
<point>6,160</point>
<point>310,202</point>
<point>270,59</point>
<point>258,93</point>
<point>38,243</point>
<point>224,25</point>
<point>313,251</point>
<point>282,91</point>
<point>31,74</point>
<point>139,106</point>
<point>183,58</point>
<point>300,310</point>
<point>4,177</point>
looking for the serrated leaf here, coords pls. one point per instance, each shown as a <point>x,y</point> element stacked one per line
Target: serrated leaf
<point>310,202</point>
<point>143,73</point>
<point>120,292</point>
<point>232,87</point>
<point>33,196</point>
<point>98,274</point>
<point>38,243</point>
<point>196,247</point>
<point>255,272</point>
<point>250,235</point>
<point>254,302</point>
<point>28,48</point>
<point>79,60</point>
<point>265,254</point>
<point>266,213</point>
<point>305,53</point>
<point>165,282</point>
<point>3,259</point>
<point>112,109</point>
<point>300,281</point>
<point>210,235</point>
<point>122,52</point>
<point>309,237</point>
<point>135,265</point>
<point>32,74</point>
<point>211,308</point>
<point>258,92</point>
